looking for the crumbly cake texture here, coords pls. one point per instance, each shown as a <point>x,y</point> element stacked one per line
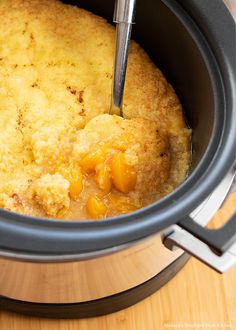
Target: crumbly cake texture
<point>56,71</point>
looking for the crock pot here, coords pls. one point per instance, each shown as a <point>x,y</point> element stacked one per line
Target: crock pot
<point>86,268</point>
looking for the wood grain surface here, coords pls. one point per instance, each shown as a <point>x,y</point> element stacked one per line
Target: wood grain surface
<point>197,298</point>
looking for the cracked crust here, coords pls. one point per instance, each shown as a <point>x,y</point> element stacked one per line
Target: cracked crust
<point>55,79</point>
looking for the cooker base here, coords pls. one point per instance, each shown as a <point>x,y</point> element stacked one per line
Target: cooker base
<point>97,307</point>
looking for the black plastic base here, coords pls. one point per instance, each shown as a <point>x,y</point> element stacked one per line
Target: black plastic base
<point>97,307</point>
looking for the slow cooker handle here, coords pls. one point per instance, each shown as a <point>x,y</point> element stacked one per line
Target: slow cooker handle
<point>216,248</point>
<point>219,240</point>
<point>189,243</point>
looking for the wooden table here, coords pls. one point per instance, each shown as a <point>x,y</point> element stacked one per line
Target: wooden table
<point>197,298</point>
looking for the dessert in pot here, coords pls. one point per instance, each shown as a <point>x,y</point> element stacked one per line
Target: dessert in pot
<point>61,154</point>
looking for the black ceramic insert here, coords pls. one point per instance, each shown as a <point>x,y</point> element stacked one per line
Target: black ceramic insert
<point>192,42</point>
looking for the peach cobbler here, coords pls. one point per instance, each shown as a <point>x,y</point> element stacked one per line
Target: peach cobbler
<point>61,154</point>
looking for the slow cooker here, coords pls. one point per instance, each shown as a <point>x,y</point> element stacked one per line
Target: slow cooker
<point>83,268</point>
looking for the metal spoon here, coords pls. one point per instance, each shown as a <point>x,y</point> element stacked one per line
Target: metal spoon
<point>124,18</point>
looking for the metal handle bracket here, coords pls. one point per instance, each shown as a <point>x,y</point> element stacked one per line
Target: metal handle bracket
<point>200,250</point>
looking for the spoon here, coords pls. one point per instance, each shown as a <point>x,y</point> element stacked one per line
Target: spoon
<point>124,18</point>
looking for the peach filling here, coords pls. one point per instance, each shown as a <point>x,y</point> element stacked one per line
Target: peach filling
<point>75,178</point>
<point>108,168</point>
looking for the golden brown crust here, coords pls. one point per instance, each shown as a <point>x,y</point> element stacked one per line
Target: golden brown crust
<point>56,68</point>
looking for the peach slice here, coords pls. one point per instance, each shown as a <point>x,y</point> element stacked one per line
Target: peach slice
<point>75,178</point>
<point>123,175</point>
<point>96,208</point>
<point>103,178</point>
<point>92,159</point>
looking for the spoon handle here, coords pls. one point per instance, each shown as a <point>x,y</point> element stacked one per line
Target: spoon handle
<point>124,18</point>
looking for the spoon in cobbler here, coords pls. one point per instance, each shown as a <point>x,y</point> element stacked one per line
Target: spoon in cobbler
<point>124,19</point>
